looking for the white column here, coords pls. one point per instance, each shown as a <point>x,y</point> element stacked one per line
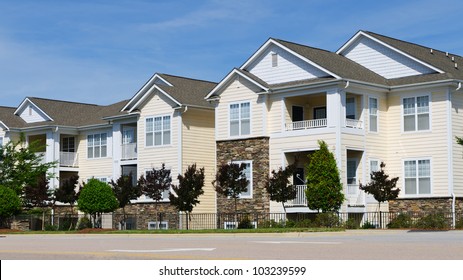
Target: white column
<point>117,150</point>
<point>52,155</point>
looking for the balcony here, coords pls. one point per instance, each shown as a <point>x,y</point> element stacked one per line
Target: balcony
<point>354,196</point>
<point>129,151</point>
<point>300,200</point>
<point>354,123</point>
<point>68,159</point>
<point>307,124</point>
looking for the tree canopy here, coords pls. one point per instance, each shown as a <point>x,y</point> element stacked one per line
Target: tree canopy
<point>230,181</point>
<point>190,187</point>
<point>324,189</point>
<point>10,204</point>
<point>156,182</point>
<point>381,187</point>
<point>279,187</point>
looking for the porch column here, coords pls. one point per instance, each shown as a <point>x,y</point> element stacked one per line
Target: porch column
<point>52,154</point>
<point>335,104</point>
<point>117,150</point>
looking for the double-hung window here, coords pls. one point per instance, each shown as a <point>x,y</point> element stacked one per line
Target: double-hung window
<point>97,145</point>
<point>417,174</point>
<point>248,173</point>
<point>373,113</point>
<point>158,130</point>
<point>416,113</point>
<point>240,119</point>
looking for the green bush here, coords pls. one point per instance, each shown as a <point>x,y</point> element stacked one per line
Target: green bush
<point>245,223</point>
<point>368,225</point>
<point>51,227</point>
<point>327,219</point>
<point>401,221</point>
<point>84,222</point>
<point>274,224</point>
<point>10,204</point>
<point>352,224</point>
<point>459,224</point>
<point>304,224</point>
<point>433,221</point>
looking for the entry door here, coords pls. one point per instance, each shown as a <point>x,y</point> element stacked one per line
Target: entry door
<point>319,113</point>
<point>298,177</point>
<point>298,113</point>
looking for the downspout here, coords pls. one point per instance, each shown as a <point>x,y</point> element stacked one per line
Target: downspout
<point>453,210</point>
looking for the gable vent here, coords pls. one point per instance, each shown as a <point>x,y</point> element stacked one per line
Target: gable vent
<point>274,59</point>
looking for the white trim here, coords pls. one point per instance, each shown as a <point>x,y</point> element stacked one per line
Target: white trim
<point>228,78</point>
<point>377,114</point>
<point>416,159</point>
<point>415,96</point>
<point>274,42</point>
<point>5,127</point>
<point>27,100</point>
<point>144,96</point>
<point>450,141</point>
<point>180,145</point>
<point>250,119</point>
<point>361,33</point>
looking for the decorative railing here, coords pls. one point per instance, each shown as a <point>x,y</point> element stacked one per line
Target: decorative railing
<point>68,159</point>
<point>129,151</point>
<point>306,124</point>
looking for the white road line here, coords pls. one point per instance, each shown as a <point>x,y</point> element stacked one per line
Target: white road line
<point>298,242</point>
<point>163,250</point>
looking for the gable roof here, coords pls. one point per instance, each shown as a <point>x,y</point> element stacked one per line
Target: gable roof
<point>62,113</point>
<point>181,90</point>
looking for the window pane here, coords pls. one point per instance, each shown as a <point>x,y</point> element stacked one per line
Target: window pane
<point>166,123</point>
<point>423,122</point>
<point>425,185</point>
<point>422,104</point>
<point>96,151</point>
<point>90,141</point>
<point>158,138</point>
<point>149,139</point>
<point>103,139</point>
<point>373,106</point>
<point>245,112</point>
<point>410,169</point>
<point>409,105</point>
<point>424,168</point>
<point>158,124</point>
<point>166,138</point>
<point>234,128</point>
<point>350,108</point>
<point>149,125</point>
<point>103,151</point>
<point>245,127</point>
<point>410,186</point>
<point>374,166</point>
<point>90,152</point>
<point>409,123</point>
<point>234,112</point>
<point>373,123</point>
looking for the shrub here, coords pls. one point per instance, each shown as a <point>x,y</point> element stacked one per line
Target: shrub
<point>51,227</point>
<point>274,224</point>
<point>401,221</point>
<point>327,219</point>
<point>352,224</point>
<point>245,223</point>
<point>306,223</point>
<point>84,222</point>
<point>10,204</point>
<point>368,225</point>
<point>433,221</point>
<point>459,224</point>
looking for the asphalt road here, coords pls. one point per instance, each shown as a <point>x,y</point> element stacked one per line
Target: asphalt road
<point>349,245</point>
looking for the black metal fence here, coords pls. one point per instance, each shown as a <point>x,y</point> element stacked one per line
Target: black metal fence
<point>197,221</point>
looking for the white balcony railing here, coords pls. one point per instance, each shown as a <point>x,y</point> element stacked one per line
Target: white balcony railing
<point>129,151</point>
<point>68,159</point>
<point>300,199</point>
<point>354,196</point>
<point>306,124</point>
<point>354,123</point>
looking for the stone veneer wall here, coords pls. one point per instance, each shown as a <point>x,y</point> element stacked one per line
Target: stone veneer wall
<point>142,213</point>
<point>438,204</point>
<point>257,150</point>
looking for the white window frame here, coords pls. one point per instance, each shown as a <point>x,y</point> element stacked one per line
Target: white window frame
<point>100,146</point>
<point>370,114</point>
<point>250,188</point>
<point>240,119</point>
<point>234,225</point>
<point>165,194</point>
<point>164,225</point>
<point>162,131</point>
<point>100,178</point>
<point>416,113</point>
<point>352,188</point>
<point>417,177</point>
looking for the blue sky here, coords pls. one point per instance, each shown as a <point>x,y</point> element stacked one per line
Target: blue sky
<point>104,51</point>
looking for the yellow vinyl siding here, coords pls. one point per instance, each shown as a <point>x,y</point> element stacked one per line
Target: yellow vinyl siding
<point>95,167</point>
<point>430,144</point>
<point>240,90</point>
<point>198,146</point>
<point>154,156</point>
<point>457,126</point>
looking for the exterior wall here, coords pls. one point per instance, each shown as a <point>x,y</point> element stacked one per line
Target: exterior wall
<point>96,167</point>
<point>289,68</point>
<point>198,146</point>
<point>257,150</point>
<point>457,150</point>
<point>142,213</point>
<point>240,90</point>
<point>430,144</point>
<point>154,156</point>
<point>438,204</point>
<point>382,60</point>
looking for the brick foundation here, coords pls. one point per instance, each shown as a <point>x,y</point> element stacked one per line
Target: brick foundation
<point>257,150</point>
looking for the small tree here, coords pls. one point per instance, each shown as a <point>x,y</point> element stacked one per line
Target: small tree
<point>96,198</point>
<point>324,188</point>
<point>381,187</point>
<point>21,164</point>
<point>66,193</point>
<point>279,187</point>
<point>124,190</point>
<point>190,187</point>
<point>37,195</point>
<point>156,182</point>
<point>10,204</point>
<point>230,181</point>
